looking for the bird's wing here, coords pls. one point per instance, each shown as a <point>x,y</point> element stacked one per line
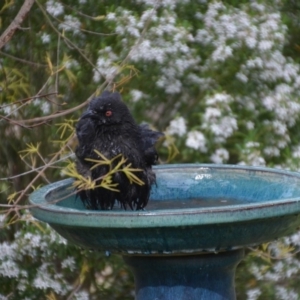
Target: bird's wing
<point>85,131</point>
<point>149,139</point>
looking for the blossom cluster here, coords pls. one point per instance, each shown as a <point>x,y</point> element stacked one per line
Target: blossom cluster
<point>257,31</point>
<point>36,247</point>
<point>153,46</point>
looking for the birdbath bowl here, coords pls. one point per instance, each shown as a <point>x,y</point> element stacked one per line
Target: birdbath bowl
<point>188,241</point>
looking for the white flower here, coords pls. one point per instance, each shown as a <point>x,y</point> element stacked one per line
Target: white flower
<point>10,110</point>
<point>46,107</point>
<point>249,125</point>
<point>33,239</point>
<point>196,140</point>
<point>221,53</point>
<point>220,156</point>
<point>282,143</point>
<point>251,42</point>
<point>71,63</point>
<point>133,31</point>
<point>45,38</point>
<point>279,127</point>
<point>8,251</point>
<point>295,238</point>
<point>54,8</point>
<point>173,87</point>
<point>105,65</point>
<point>177,127</point>
<point>242,77</point>
<point>256,271</point>
<point>211,113</point>
<point>257,6</point>
<point>272,151</point>
<point>68,263</point>
<point>203,37</point>
<point>43,280</point>
<point>253,294</point>
<point>71,24</point>
<point>2,221</point>
<point>111,16</point>
<point>265,45</point>
<point>136,95</point>
<point>255,63</point>
<point>252,144</point>
<point>81,295</point>
<point>283,293</point>
<point>225,127</point>
<point>296,152</point>
<point>291,271</point>
<point>9,269</point>
<point>219,98</point>
<point>269,102</point>
<point>22,284</point>
<point>255,160</point>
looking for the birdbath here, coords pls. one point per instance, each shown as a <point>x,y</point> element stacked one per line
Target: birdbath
<point>188,241</point>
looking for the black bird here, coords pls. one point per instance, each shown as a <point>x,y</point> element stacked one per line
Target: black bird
<point>108,128</point>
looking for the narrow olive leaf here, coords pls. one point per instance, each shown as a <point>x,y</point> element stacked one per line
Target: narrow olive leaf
<point>105,181</point>
<point>31,149</point>
<point>129,172</point>
<point>104,161</point>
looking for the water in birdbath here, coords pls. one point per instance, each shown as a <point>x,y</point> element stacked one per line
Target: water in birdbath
<point>193,203</point>
<point>162,204</point>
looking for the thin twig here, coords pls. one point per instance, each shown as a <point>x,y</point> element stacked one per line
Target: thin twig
<point>23,60</point>
<point>31,98</point>
<point>269,256</point>
<point>57,64</point>
<point>15,24</point>
<point>39,174</point>
<point>38,168</point>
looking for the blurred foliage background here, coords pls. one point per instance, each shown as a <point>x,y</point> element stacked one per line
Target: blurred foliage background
<point>220,78</point>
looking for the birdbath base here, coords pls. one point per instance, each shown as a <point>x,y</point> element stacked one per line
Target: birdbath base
<point>190,277</point>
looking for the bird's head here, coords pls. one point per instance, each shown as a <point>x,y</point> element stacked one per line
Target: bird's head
<point>108,109</point>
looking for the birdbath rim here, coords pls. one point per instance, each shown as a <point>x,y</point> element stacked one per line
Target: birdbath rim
<point>285,202</point>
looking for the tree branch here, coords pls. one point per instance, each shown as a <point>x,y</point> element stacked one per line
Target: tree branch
<point>15,24</point>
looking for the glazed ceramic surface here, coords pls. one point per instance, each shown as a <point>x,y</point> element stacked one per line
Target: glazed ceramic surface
<point>193,208</point>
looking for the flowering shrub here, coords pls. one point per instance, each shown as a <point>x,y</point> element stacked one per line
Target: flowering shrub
<point>40,264</point>
<point>222,78</point>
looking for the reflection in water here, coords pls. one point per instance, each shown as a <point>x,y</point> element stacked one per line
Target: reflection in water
<point>72,202</point>
<point>193,203</point>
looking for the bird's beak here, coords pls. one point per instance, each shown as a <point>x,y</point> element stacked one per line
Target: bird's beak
<point>88,114</point>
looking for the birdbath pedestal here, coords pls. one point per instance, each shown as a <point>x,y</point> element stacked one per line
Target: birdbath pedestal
<point>188,241</point>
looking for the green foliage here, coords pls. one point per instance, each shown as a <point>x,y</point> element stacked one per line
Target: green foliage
<point>220,77</point>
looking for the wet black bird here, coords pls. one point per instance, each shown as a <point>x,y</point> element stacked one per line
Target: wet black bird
<point>107,127</point>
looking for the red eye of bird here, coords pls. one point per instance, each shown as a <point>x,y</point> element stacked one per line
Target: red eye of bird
<point>108,113</point>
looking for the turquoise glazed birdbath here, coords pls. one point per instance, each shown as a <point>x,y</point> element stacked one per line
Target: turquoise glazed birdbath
<point>188,241</point>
